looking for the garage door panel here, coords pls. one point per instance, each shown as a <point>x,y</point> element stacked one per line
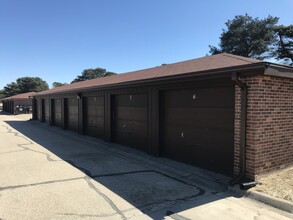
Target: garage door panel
<point>222,158</point>
<point>131,100</point>
<point>130,121</point>
<point>73,110</point>
<point>204,117</point>
<point>218,118</point>
<point>57,112</point>
<point>135,127</point>
<point>184,116</point>
<point>100,121</point>
<point>221,139</point>
<point>200,98</point>
<point>46,110</point>
<point>94,121</point>
<point>137,141</point>
<point>182,137</point>
<point>131,113</point>
<point>95,101</point>
<point>39,111</point>
<point>91,110</point>
<point>198,127</point>
<point>133,139</point>
<point>95,130</point>
<point>130,133</point>
<point>72,114</point>
<point>189,151</point>
<point>72,118</point>
<point>58,119</point>
<point>95,111</point>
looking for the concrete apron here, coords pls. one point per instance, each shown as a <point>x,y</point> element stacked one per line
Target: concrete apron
<point>49,173</point>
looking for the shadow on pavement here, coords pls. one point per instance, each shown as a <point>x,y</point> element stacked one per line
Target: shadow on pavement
<point>154,186</point>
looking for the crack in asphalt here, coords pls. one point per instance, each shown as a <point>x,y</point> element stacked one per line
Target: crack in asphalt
<point>89,173</point>
<point>143,208</point>
<point>38,184</point>
<point>99,215</point>
<point>106,198</point>
<point>135,160</point>
<point>10,131</point>
<point>147,207</point>
<point>86,178</point>
<point>132,160</point>
<point>103,149</point>
<point>88,215</point>
<point>48,156</point>
<point>10,152</point>
<point>23,146</point>
<point>122,173</point>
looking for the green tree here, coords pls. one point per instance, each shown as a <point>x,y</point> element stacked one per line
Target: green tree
<point>31,84</point>
<point>247,36</point>
<point>25,84</point>
<point>88,74</point>
<point>283,47</point>
<point>110,74</point>
<point>11,89</point>
<point>58,84</point>
<point>2,94</point>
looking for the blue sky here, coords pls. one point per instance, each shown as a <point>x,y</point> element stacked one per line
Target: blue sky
<point>57,39</point>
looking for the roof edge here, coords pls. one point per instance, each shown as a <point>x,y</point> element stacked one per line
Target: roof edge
<point>27,95</point>
<point>279,70</point>
<point>207,73</point>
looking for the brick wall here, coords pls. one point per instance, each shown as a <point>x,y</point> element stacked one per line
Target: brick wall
<point>269,143</point>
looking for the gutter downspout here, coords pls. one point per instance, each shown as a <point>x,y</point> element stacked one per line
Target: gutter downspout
<point>243,104</point>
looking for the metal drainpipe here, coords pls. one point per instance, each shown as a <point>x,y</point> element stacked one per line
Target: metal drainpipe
<point>243,88</point>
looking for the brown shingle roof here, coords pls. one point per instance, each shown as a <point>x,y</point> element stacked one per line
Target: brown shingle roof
<point>218,61</point>
<point>20,96</point>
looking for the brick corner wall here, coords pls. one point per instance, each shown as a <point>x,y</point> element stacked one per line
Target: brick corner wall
<point>269,138</point>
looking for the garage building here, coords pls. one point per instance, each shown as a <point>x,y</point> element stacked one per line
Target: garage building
<point>225,113</point>
<point>18,104</point>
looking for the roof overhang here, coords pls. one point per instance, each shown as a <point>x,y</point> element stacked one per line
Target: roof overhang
<point>243,70</point>
<point>279,71</point>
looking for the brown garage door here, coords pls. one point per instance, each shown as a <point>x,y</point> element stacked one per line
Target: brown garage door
<point>46,110</point>
<point>198,127</point>
<point>94,116</point>
<point>56,112</point>
<point>39,109</point>
<point>71,114</point>
<point>130,120</point>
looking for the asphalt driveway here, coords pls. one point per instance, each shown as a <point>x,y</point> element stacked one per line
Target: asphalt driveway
<point>49,173</point>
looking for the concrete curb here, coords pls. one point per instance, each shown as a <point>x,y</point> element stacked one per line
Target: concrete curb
<point>270,200</point>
